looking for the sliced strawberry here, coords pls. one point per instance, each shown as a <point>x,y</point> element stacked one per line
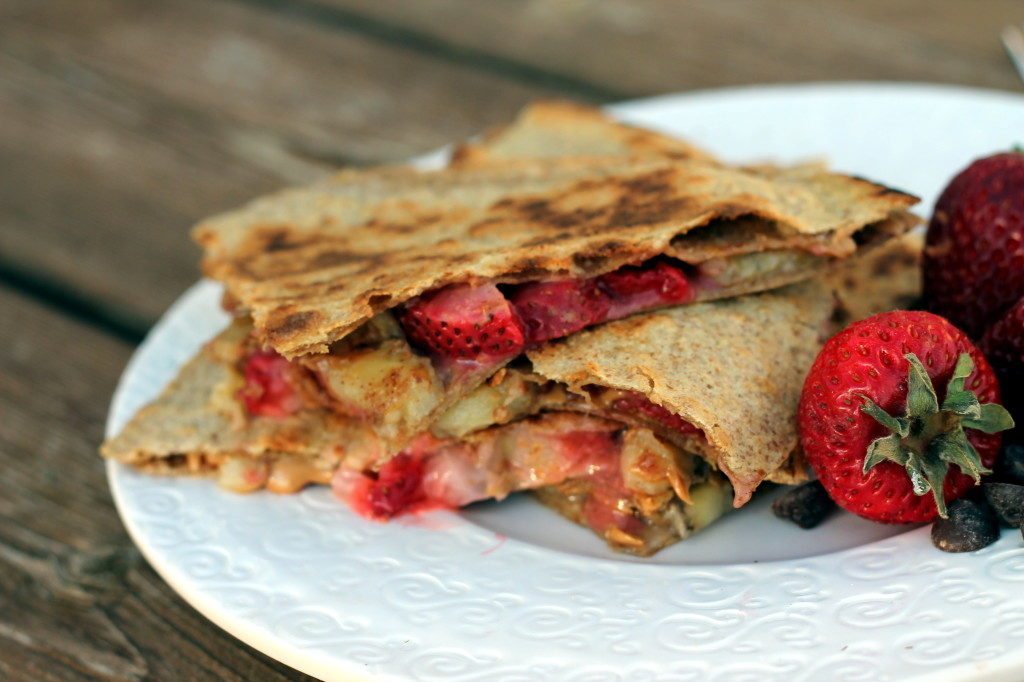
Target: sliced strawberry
<point>636,288</point>
<point>637,404</point>
<point>397,488</point>
<point>269,389</point>
<point>464,322</point>
<point>551,310</point>
<point>585,452</point>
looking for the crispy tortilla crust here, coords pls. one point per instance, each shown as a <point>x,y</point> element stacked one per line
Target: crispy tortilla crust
<point>558,128</point>
<point>198,420</point>
<point>312,264</point>
<point>888,280</point>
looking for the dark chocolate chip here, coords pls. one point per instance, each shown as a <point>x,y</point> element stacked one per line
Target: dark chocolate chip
<point>806,505</point>
<point>1010,465</point>
<point>1007,501</point>
<point>971,526</point>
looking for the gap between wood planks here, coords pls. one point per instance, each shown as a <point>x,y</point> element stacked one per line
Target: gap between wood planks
<point>54,295</point>
<point>438,48</point>
<point>58,294</point>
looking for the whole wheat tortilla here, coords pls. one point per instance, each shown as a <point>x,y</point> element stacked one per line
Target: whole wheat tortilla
<point>888,280</point>
<point>312,264</point>
<point>558,128</point>
<point>197,420</point>
<point>733,368</point>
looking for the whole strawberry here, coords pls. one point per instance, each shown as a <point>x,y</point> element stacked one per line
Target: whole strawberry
<point>898,406</point>
<point>974,253</point>
<point>1003,344</point>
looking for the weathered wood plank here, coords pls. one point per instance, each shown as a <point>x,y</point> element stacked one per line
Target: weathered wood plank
<point>124,122</point>
<point>649,46</point>
<point>77,602</point>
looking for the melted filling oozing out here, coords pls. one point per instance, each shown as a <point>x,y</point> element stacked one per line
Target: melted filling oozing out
<point>431,474</point>
<point>633,403</point>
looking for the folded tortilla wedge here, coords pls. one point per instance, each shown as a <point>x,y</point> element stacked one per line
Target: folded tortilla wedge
<point>558,128</point>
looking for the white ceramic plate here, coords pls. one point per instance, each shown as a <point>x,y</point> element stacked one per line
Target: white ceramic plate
<point>512,591</point>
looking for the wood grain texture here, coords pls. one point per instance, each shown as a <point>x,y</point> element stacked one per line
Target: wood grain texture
<point>77,602</point>
<point>643,47</point>
<point>124,122</point>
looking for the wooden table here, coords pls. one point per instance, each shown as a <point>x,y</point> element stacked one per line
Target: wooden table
<point>122,122</point>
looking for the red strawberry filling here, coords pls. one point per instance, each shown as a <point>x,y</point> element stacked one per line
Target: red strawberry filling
<point>467,322</point>
<point>269,389</point>
<point>637,404</point>
<point>551,310</point>
<point>464,322</point>
<point>606,491</point>
<point>433,475</point>
<point>602,510</point>
<point>632,289</point>
<point>397,487</point>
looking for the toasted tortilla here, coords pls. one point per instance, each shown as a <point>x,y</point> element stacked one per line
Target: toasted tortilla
<point>312,264</point>
<point>888,280</point>
<point>733,368</point>
<point>558,128</point>
<point>198,420</point>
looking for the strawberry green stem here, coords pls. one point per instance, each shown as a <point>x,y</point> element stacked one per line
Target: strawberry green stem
<point>929,437</point>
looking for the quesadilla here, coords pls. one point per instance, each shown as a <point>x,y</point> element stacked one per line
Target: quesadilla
<point>645,430</point>
<point>395,329</point>
<point>887,279</point>
<point>477,263</point>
